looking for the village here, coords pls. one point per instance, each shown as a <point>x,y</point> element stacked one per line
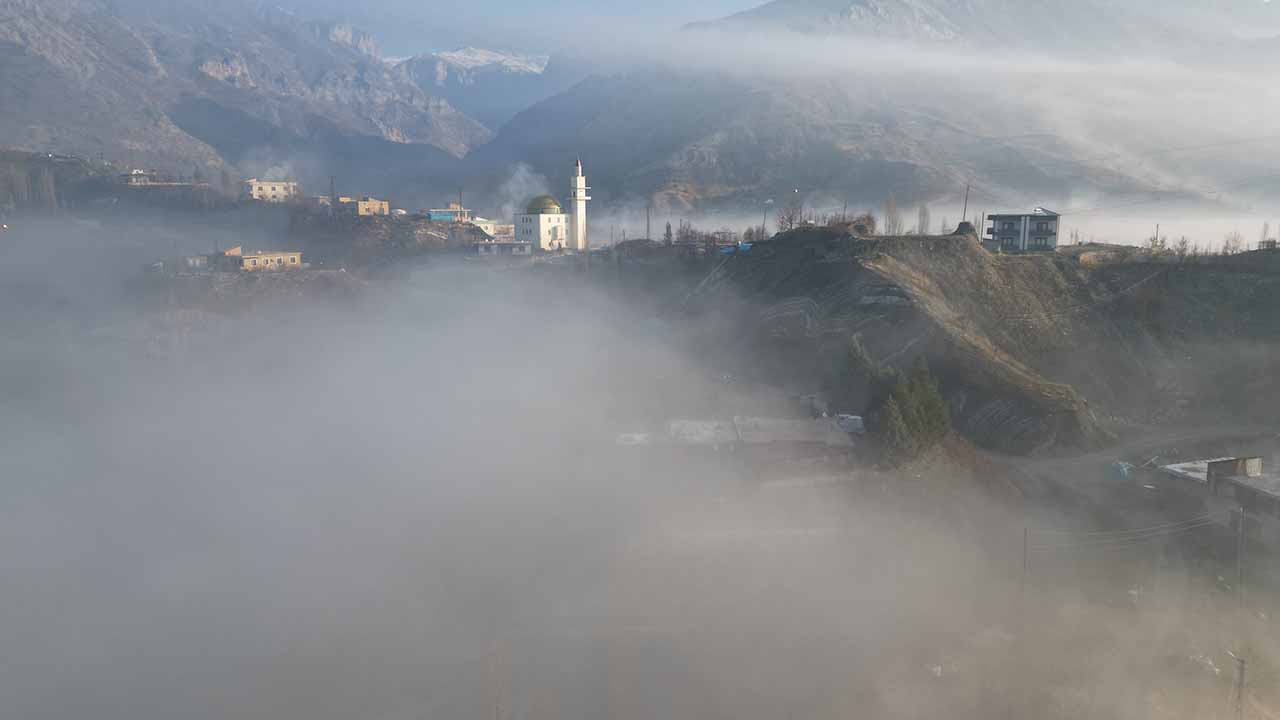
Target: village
<point>546,226</point>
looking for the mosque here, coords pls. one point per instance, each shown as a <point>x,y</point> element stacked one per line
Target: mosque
<point>548,228</point>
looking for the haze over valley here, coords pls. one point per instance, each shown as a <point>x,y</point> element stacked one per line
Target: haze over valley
<point>512,360</point>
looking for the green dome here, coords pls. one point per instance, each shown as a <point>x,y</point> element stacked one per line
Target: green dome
<point>544,205</point>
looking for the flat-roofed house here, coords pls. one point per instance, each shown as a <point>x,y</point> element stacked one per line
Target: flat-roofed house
<point>1036,231</point>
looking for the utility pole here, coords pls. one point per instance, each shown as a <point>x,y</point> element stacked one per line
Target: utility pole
<point>964,214</point>
<point>1237,693</point>
<point>1241,541</point>
<point>1026,542</point>
<point>648,227</point>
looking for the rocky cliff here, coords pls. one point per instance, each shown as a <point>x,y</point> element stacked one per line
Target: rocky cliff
<point>90,76</point>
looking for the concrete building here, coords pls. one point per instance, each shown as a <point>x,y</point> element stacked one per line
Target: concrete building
<point>544,225</point>
<point>138,177</point>
<point>500,249</point>
<point>548,228</point>
<point>270,191</point>
<point>498,231</point>
<point>454,213</point>
<point>236,259</point>
<point>1036,231</point>
<point>1230,484</point>
<point>269,260</point>
<point>364,207</point>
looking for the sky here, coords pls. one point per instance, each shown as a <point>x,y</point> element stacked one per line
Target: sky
<point>407,27</point>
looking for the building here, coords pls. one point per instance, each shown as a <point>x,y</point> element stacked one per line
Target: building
<point>138,177</point>
<point>364,207</point>
<point>235,259</point>
<point>454,213</point>
<point>269,260</point>
<point>270,191</point>
<point>548,228</point>
<point>498,231</point>
<point>499,249</point>
<point>1036,231</point>
<point>544,225</point>
<point>1230,484</point>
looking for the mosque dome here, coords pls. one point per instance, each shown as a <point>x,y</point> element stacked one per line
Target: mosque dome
<point>544,205</point>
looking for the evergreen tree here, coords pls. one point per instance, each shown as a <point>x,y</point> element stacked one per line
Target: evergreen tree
<point>666,236</point>
<point>895,436</point>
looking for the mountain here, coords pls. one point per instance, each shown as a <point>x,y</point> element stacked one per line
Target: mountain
<point>185,83</point>
<point>487,85</point>
<point>853,100</point>
<point>1077,28</point>
<point>720,142</point>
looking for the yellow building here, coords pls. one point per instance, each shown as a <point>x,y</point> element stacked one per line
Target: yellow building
<point>269,260</point>
<point>364,207</point>
<point>271,191</point>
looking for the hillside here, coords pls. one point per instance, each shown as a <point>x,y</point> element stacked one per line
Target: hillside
<point>1034,352</point>
<point>850,100</point>
<point>699,141</point>
<point>187,84</point>
<point>1083,26</point>
<point>490,86</point>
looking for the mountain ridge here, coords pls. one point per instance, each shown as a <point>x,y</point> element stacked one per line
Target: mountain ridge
<point>89,76</point>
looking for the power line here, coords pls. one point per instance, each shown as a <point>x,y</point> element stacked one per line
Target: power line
<point>1134,539</point>
<point>1084,533</point>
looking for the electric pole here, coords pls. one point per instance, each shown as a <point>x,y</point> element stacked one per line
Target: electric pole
<point>1237,693</point>
<point>1241,542</point>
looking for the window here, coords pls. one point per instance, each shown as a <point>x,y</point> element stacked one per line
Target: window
<point>1009,226</point>
<point>293,261</point>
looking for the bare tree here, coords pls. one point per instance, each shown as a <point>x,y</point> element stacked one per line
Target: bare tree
<point>789,215</point>
<point>1266,233</point>
<point>1233,243</point>
<point>892,219</point>
<point>923,219</point>
<point>944,227</point>
<point>1181,248</point>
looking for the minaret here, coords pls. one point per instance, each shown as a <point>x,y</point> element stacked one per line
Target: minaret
<point>578,200</point>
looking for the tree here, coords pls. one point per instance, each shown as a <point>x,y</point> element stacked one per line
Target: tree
<point>867,220</point>
<point>749,235</point>
<point>892,219</point>
<point>1181,248</point>
<point>666,236</point>
<point>895,436</point>
<point>789,215</point>
<point>1233,243</point>
<point>923,219</point>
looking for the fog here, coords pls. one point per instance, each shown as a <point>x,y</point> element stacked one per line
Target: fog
<point>1168,129</point>
<point>396,493</point>
<point>401,507</point>
<point>405,502</point>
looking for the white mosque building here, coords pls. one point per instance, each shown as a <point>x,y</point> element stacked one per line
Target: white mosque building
<point>548,228</point>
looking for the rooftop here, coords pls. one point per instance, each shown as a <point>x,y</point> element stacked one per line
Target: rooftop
<point>1038,212</point>
<point>545,205</point>
<point>1196,470</point>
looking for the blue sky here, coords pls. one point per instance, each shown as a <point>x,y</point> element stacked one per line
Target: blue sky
<point>405,27</point>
